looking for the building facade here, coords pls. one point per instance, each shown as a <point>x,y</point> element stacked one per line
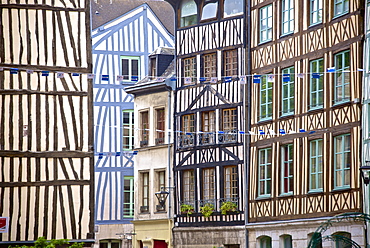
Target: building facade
<point>153,220</point>
<point>46,128</point>
<point>124,34</point>
<point>305,121</point>
<point>209,124</point>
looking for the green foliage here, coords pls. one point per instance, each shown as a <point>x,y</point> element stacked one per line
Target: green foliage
<point>186,208</point>
<point>207,209</point>
<point>42,242</point>
<point>228,206</point>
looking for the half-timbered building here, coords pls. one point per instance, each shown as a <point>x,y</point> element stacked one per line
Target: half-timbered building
<point>366,109</point>
<point>46,128</point>
<point>305,121</point>
<point>208,125</point>
<point>124,34</point>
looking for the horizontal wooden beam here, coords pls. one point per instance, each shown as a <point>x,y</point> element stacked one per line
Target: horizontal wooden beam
<point>40,68</point>
<point>39,6</point>
<point>47,154</point>
<point>37,92</point>
<point>46,183</point>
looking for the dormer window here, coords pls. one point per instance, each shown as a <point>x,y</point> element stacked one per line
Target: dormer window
<point>188,13</point>
<point>209,9</point>
<point>233,7</point>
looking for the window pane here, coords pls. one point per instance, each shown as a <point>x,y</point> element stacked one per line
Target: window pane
<point>233,7</point>
<point>209,9</point>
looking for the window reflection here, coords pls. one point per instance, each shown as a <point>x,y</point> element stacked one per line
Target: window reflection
<point>233,7</point>
<point>188,13</point>
<point>209,9</point>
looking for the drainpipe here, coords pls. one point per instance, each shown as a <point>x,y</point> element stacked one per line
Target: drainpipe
<point>247,116</point>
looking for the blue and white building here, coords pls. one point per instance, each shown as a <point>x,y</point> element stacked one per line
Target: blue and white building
<point>124,33</point>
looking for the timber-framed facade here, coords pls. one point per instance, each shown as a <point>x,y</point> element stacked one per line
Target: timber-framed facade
<point>306,117</point>
<point>46,130</point>
<point>209,115</point>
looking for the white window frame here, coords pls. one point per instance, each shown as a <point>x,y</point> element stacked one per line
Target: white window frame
<point>129,126</point>
<point>316,84</point>
<point>266,18</point>
<point>129,205</point>
<point>341,155</point>
<point>342,74</point>
<point>265,105</point>
<point>263,166</point>
<point>287,17</point>
<point>316,165</point>
<point>128,76</point>
<point>286,166</point>
<point>288,92</point>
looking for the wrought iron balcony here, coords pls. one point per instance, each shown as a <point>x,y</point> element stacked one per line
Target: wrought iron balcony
<point>186,140</point>
<point>228,136</point>
<point>143,143</point>
<point>206,138</point>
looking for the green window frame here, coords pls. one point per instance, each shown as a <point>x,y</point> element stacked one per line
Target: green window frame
<point>287,95</point>
<point>264,172</point>
<point>341,7</point>
<point>128,197</point>
<point>315,12</point>
<point>342,161</point>
<point>316,165</point>
<point>128,129</point>
<point>130,66</point>
<point>342,77</point>
<point>188,13</point>
<point>287,171</point>
<point>317,85</point>
<point>287,17</point>
<point>265,99</point>
<point>265,242</point>
<point>266,23</point>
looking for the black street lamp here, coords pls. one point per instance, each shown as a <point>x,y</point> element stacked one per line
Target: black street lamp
<point>365,172</point>
<point>162,197</point>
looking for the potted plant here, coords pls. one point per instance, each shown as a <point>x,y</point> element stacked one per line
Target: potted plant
<point>228,206</point>
<point>207,209</point>
<point>186,209</point>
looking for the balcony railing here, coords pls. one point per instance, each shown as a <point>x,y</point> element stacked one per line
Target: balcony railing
<point>228,136</point>
<point>143,143</point>
<point>186,140</point>
<point>206,138</point>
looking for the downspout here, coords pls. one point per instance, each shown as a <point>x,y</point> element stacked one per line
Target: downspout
<point>247,116</point>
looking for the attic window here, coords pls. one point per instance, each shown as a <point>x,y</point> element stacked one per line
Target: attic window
<point>233,7</point>
<point>209,9</point>
<point>188,13</point>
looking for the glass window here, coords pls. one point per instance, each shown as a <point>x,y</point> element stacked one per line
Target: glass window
<point>145,192</point>
<point>342,240</point>
<point>316,85</point>
<point>265,242</point>
<point>286,241</point>
<point>287,8</point>
<point>188,123</point>
<point>341,7</point>
<point>342,77</point>
<point>265,98</point>
<point>231,63</point>
<point>128,197</point>
<point>188,187</point>
<point>266,23</point>
<point>144,119</point>
<point>190,69</point>
<point>315,239</point>
<point>287,105</point>
<point>130,66</point>
<point>264,172</point>
<point>231,183</point>
<point>128,129</point>
<point>160,126</point>
<point>316,164</point>
<point>229,119</point>
<point>233,7</point>
<point>209,184</point>
<point>188,13</point>
<point>161,180</point>
<point>109,243</point>
<point>208,127</point>
<point>209,65</point>
<point>153,67</point>
<point>287,183</point>
<point>209,9</point>
<point>342,161</point>
<point>315,11</point>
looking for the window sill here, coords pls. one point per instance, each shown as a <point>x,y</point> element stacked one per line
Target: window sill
<point>341,104</point>
<point>340,189</point>
<point>286,34</point>
<point>315,25</point>
<point>265,120</point>
<point>339,15</point>
<point>283,195</point>
<point>319,108</point>
<point>262,198</point>
<point>287,115</point>
<point>315,192</point>
<point>264,42</point>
